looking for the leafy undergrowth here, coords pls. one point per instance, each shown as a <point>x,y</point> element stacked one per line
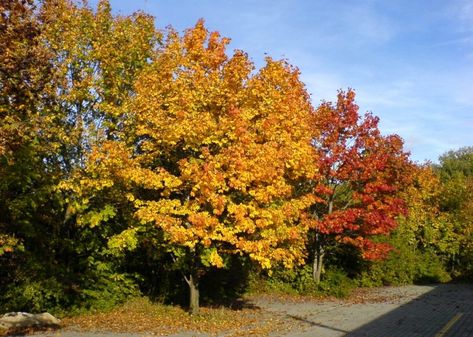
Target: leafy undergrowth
<point>142,316</point>
<point>357,295</point>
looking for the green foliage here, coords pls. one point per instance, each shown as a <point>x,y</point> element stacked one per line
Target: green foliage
<point>456,203</point>
<point>105,291</point>
<point>281,281</point>
<point>100,288</point>
<point>126,240</point>
<point>406,264</point>
<point>34,296</point>
<point>336,283</point>
<point>299,281</point>
<point>456,163</point>
<point>64,74</point>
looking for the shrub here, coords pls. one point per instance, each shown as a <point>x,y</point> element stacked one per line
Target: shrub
<point>299,281</point>
<point>99,288</point>
<point>335,282</point>
<point>34,296</point>
<point>405,265</point>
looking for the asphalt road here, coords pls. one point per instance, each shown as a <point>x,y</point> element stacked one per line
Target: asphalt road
<point>411,311</point>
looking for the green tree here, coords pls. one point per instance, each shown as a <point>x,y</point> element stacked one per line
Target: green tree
<point>24,73</point>
<point>455,169</point>
<point>30,209</point>
<point>65,72</point>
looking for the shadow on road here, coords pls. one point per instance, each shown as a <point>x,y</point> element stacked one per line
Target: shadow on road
<point>445,311</point>
<point>310,323</point>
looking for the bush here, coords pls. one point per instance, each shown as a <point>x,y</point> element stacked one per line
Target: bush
<point>279,282</point>
<point>299,281</point>
<point>335,282</point>
<point>405,265</point>
<point>99,288</point>
<point>34,296</point>
<point>105,292</point>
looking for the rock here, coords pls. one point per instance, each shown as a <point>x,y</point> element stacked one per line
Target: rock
<point>18,320</point>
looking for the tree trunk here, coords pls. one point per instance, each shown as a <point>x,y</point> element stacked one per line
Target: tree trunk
<point>193,283</point>
<point>317,265</point>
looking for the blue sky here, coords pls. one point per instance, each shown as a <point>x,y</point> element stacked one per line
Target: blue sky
<point>410,62</point>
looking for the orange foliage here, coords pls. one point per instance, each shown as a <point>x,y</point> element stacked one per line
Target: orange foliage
<point>217,149</point>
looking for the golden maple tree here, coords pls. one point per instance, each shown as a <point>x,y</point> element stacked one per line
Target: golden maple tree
<point>216,154</point>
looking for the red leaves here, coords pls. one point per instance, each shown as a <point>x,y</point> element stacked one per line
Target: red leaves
<point>375,250</point>
<point>339,221</point>
<point>361,174</point>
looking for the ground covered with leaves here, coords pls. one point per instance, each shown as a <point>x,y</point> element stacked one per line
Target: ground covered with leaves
<point>142,316</point>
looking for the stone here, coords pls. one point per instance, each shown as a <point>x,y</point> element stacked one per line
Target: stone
<point>18,320</point>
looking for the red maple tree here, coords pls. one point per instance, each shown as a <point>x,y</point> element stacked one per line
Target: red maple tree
<point>360,175</point>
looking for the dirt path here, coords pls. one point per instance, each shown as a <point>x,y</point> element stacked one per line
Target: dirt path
<point>411,311</point>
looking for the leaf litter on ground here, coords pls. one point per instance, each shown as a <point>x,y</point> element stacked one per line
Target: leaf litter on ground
<point>142,316</point>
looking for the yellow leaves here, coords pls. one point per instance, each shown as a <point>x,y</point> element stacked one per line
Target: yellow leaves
<point>203,220</point>
<point>113,163</point>
<point>126,240</point>
<point>215,259</point>
<point>181,236</point>
<point>160,180</point>
<point>210,257</point>
<point>186,91</point>
<point>247,226</point>
<point>211,152</point>
<point>239,211</point>
<point>163,206</point>
<point>96,58</point>
<point>264,262</point>
<point>94,218</point>
<point>420,198</point>
<point>96,184</point>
